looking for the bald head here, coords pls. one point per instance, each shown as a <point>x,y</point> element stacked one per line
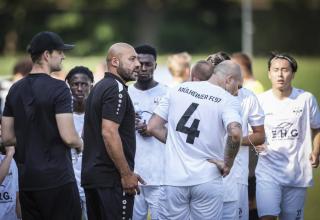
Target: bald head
<point>117,50</point>
<point>201,71</point>
<point>122,60</point>
<point>227,68</point>
<point>227,74</point>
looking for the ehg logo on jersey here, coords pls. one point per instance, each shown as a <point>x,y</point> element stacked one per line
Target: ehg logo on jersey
<point>284,131</point>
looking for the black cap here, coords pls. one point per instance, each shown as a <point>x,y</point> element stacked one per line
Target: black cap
<point>47,40</point>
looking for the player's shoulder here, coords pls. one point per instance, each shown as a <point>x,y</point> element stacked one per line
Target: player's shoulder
<point>301,92</point>
<point>246,92</point>
<point>162,86</point>
<point>265,95</point>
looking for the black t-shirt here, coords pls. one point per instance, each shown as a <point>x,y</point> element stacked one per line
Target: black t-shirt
<point>43,160</point>
<point>109,100</point>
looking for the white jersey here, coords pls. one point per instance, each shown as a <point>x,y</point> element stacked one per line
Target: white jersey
<point>149,151</point>
<point>8,191</point>
<point>287,126</point>
<point>197,114</point>
<point>251,114</point>
<point>77,158</point>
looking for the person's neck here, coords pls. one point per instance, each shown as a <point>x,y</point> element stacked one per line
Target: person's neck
<point>79,107</point>
<point>282,93</point>
<point>177,79</point>
<point>145,85</point>
<point>248,77</point>
<point>38,68</point>
<point>215,80</point>
<point>114,72</point>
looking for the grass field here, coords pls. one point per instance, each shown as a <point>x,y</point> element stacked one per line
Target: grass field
<point>307,78</point>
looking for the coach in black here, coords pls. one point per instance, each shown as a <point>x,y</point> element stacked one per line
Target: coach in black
<point>109,140</point>
<point>38,120</point>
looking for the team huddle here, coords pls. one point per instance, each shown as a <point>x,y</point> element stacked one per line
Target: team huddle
<point>173,153</point>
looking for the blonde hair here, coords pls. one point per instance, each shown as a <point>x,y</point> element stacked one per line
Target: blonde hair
<point>178,63</point>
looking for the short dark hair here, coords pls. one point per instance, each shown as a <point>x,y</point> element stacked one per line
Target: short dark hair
<point>285,56</point>
<point>23,67</point>
<point>146,49</point>
<point>203,70</point>
<point>81,70</point>
<point>218,57</point>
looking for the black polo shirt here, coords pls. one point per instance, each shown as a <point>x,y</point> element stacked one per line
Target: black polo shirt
<point>109,100</point>
<point>43,160</point>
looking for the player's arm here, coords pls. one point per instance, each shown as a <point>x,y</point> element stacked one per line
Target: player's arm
<point>113,145</point>
<point>7,131</point>
<point>68,131</point>
<point>314,157</point>
<point>156,127</point>
<point>5,164</point>
<point>256,138</point>
<point>233,143</point>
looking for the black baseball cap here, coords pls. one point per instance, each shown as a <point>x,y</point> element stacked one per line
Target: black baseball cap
<point>47,40</point>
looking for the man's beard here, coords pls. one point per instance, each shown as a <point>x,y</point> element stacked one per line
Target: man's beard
<point>56,68</point>
<point>125,74</point>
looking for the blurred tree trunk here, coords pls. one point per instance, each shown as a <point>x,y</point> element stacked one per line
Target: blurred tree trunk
<point>148,20</point>
<point>10,43</point>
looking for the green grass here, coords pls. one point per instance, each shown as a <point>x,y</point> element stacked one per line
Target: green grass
<point>307,78</point>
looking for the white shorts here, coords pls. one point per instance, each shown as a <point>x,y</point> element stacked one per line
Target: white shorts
<point>203,201</point>
<point>243,203</point>
<point>230,210</point>
<point>148,199</point>
<point>275,200</point>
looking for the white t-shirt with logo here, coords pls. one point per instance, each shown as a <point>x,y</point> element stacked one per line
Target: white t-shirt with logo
<point>197,114</point>
<point>8,192</point>
<point>77,158</point>
<point>149,155</point>
<point>288,124</point>
<point>251,114</point>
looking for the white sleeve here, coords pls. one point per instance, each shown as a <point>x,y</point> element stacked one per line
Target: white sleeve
<point>256,114</point>
<point>231,111</point>
<point>314,113</point>
<point>163,108</point>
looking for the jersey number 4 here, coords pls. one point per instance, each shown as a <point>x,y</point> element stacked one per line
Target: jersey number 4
<point>192,131</point>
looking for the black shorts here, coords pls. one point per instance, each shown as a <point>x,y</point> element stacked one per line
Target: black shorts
<point>61,203</point>
<point>108,203</point>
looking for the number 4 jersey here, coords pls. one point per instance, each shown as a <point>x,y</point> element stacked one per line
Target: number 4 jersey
<point>197,114</point>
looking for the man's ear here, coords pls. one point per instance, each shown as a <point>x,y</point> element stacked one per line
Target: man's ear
<point>115,62</point>
<point>46,55</point>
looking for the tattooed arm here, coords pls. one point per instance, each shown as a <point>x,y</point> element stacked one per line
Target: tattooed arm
<point>156,127</point>
<point>233,143</point>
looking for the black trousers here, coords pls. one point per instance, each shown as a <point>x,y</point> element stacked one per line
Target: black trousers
<point>61,203</point>
<point>108,203</point>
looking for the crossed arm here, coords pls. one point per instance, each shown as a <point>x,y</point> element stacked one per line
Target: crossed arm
<point>256,138</point>
<point>156,127</point>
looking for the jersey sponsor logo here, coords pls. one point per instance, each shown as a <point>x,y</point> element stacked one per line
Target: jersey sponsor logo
<point>198,95</point>
<point>284,131</point>
<point>5,196</point>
